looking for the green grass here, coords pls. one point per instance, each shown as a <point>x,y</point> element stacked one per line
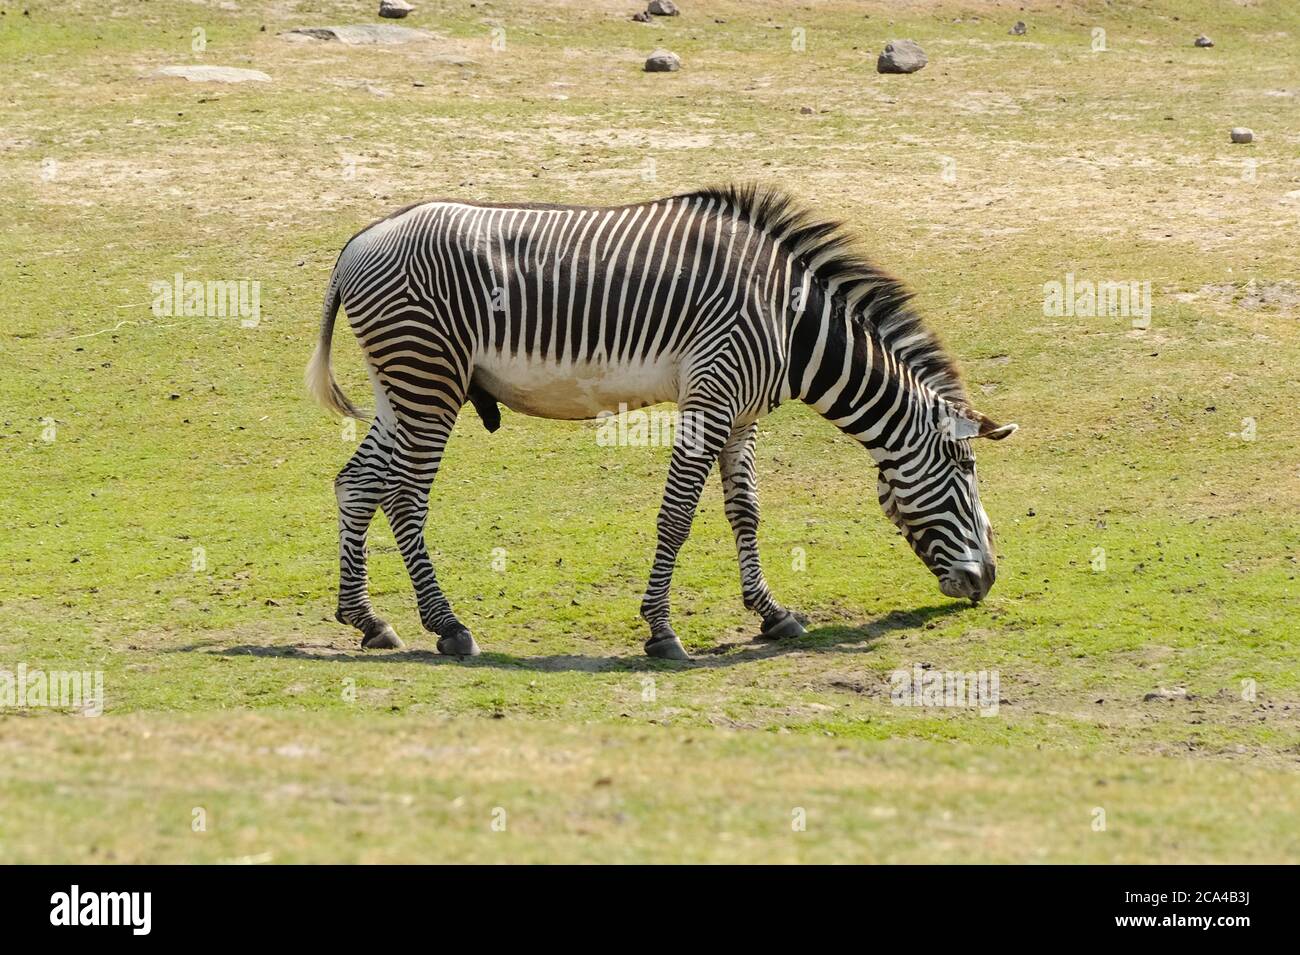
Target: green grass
<point>232,688</point>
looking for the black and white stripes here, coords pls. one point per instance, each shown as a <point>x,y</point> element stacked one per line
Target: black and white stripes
<point>725,301</point>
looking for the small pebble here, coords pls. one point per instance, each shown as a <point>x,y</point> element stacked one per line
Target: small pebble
<point>1240,134</point>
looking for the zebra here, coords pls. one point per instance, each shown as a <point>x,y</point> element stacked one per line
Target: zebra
<point>727,300</point>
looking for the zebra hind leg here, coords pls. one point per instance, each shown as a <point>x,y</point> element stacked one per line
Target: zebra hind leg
<point>418,454</point>
<point>360,488</point>
<point>740,494</point>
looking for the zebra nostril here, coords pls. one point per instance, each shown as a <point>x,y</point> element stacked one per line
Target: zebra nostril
<point>972,582</point>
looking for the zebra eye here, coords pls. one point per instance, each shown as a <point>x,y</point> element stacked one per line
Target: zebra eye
<point>967,467</point>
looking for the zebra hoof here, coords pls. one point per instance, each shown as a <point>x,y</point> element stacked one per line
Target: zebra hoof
<point>667,647</point>
<point>782,626</point>
<point>458,644</point>
<point>385,638</point>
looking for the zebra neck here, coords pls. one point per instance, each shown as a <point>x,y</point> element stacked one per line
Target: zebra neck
<point>857,385</point>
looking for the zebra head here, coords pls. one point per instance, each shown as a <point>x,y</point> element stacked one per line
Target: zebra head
<point>929,490</point>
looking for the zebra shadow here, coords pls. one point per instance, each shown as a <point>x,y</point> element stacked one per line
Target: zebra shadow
<point>828,638</point>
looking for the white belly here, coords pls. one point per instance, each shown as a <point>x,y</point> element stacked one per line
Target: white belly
<point>574,391</point>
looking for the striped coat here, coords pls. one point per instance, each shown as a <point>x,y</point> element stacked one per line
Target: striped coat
<point>727,302</point>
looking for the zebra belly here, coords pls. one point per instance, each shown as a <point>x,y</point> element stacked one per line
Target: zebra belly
<point>574,391</point>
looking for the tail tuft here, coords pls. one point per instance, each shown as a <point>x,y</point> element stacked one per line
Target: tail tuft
<point>320,376</point>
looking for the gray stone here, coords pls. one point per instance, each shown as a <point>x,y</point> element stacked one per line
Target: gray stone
<point>663,61</point>
<point>901,56</point>
<point>214,74</point>
<point>1204,40</point>
<point>641,17</point>
<point>394,9</point>
<point>361,34</point>
<point>1175,693</point>
<point>1240,134</point>
<point>1018,29</point>
<point>662,8</point>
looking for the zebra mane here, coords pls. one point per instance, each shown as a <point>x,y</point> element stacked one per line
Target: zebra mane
<point>878,302</point>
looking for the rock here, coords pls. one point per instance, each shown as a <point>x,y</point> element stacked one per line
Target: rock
<point>1241,134</point>
<point>213,74</point>
<point>361,34</point>
<point>394,9</point>
<point>901,56</point>
<point>662,8</point>
<point>1204,40</point>
<point>1018,29</point>
<point>641,17</point>
<point>806,110</point>
<point>1177,693</point>
<point>663,61</point>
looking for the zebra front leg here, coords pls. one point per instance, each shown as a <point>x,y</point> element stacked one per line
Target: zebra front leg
<point>418,455</point>
<point>359,488</point>
<point>699,439</point>
<point>740,496</point>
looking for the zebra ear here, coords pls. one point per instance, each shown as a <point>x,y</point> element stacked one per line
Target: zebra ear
<point>990,429</point>
<point>969,423</point>
<point>962,425</point>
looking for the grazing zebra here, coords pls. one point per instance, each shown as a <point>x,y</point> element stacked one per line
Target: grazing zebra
<point>727,301</point>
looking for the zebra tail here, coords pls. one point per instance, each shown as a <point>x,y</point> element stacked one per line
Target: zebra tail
<point>320,376</point>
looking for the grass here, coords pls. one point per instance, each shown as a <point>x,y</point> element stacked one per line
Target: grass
<point>230,688</point>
